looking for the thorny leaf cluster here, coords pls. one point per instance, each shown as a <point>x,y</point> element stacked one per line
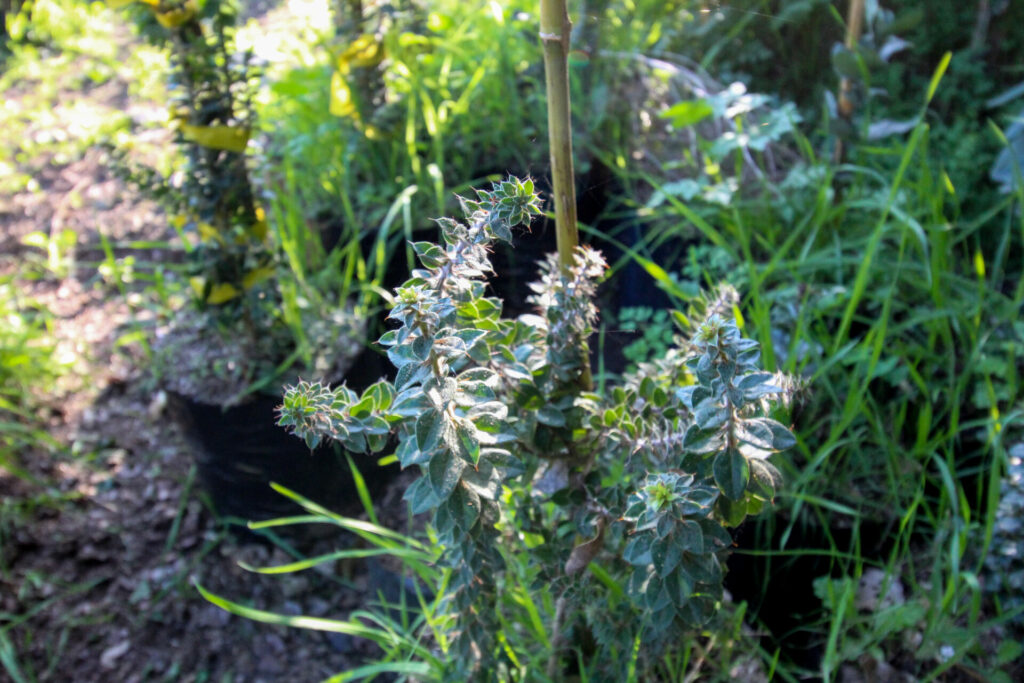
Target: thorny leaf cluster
<point>517,458</point>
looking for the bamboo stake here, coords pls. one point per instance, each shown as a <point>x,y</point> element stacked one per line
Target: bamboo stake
<point>854,27</point>
<point>555,31</point>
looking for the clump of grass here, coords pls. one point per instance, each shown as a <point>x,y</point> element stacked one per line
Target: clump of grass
<point>27,368</point>
<point>901,313</point>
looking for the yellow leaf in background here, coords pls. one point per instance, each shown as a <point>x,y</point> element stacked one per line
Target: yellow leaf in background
<point>258,230</point>
<point>364,52</point>
<point>227,138</point>
<point>198,284</point>
<point>256,276</point>
<point>341,97</point>
<point>739,317</point>
<point>221,292</point>
<point>176,113</point>
<point>118,4</point>
<point>177,221</point>
<point>36,239</point>
<point>208,233</point>
<point>172,18</point>
<point>176,17</point>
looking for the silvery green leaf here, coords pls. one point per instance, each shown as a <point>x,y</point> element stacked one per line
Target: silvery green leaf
<point>355,441</point>
<point>410,403</point>
<point>493,409</point>
<point>758,384</point>
<point>479,375</point>
<point>700,394</point>
<point>685,395</point>
<point>429,427</point>
<point>635,507</point>
<point>375,425</point>
<point>659,601</point>
<point>749,358</point>
<point>389,338</point>
<point>465,443</point>
<point>463,506</point>
<point>376,442</point>
<point>492,429</point>
<point>410,374</point>
<point>705,369</point>
<point>409,454</point>
<point>763,432</point>
<point>510,465</point>
<point>726,371</point>
<point>664,526</point>
<point>665,555</point>
<point>448,388</point>
<point>689,536</point>
<point>402,355</point>
<point>648,521</point>
<point>420,496</point>
<point>421,347</point>
<point>681,587</point>
<point>472,393</point>
<point>715,537</point>
<point>732,512</point>
<point>485,480</point>
<point>431,255</point>
<point>731,473</point>
<point>697,440</point>
<point>638,550</point>
<point>709,415</point>
<point>698,501</point>
<point>444,523</point>
<point>444,472</point>
<point>764,479</point>
<point>754,453</point>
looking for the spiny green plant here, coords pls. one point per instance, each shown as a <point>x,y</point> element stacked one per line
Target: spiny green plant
<point>518,458</point>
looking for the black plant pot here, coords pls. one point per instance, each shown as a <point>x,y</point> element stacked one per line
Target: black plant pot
<point>240,450</point>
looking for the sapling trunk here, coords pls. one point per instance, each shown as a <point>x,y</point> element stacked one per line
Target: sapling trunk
<point>555,31</point>
<point>854,27</point>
